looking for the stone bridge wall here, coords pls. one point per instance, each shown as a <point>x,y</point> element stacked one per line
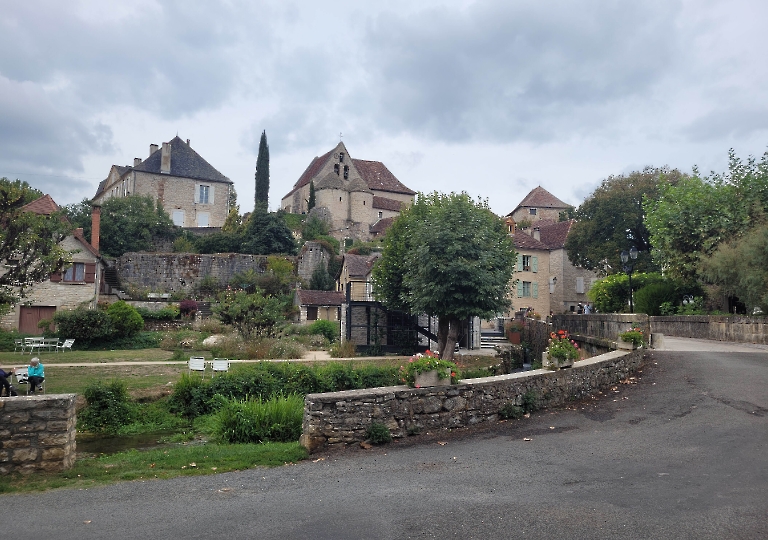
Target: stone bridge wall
<point>343,417</point>
<point>37,433</point>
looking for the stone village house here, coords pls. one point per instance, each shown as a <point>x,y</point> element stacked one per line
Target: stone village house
<point>192,192</point>
<point>78,285</point>
<point>354,194</point>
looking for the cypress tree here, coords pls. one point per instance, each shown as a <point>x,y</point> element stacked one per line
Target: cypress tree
<point>262,175</point>
<point>311,202</point>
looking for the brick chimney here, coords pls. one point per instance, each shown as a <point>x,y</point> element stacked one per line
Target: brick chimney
<point>153,148</point>
<point>95,224</point>
<point>165,159</point>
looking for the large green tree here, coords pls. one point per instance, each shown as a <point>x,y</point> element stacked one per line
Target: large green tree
<point>447,256</point>
<point>611,220</point>
<point>262,174</point>
<point>690,219</point>
<point>132,224</point>
<point>29,242</point>
<point>252,315</point>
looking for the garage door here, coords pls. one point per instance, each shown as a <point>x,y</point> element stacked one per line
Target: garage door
<point>30,316</point>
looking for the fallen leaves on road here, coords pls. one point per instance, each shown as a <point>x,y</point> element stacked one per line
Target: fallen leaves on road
<point>365,445</point>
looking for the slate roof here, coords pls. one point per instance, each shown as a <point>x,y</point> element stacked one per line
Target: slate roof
<point>330,181</point>
<point>540,198</point>
<point>383,203</point>
<point>185,163</point>
<point>307,297</point>
<point>45,205</point>
<point>359,265</point>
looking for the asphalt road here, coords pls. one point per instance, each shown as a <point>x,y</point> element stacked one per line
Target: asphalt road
<point>681,454</point>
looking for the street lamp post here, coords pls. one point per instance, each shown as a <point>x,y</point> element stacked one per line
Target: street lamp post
<point>627,262</point>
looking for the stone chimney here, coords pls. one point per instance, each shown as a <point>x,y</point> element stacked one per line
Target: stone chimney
<point>165,159</point>
<point>188,142</point>
<point>136,161</point>
<point>537,233</point>
<point>95,224</point>
<point>153,148</point>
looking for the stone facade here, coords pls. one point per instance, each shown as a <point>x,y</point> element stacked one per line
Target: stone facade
<point>180,272</point>
<point>343,417</point>
<point>37,433</point>
<point>192,192</point>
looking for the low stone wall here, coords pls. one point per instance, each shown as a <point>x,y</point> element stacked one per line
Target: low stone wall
<point>343,417</point>
<point>37,433</point>
<point>719,327</point>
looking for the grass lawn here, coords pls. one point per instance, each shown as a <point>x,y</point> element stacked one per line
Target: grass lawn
<point>183,460</point>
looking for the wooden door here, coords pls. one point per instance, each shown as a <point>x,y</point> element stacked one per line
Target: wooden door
<point>30,316</point>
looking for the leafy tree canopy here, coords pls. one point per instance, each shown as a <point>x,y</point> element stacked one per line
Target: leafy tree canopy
<point>29,242</point>
<point>131,224</point>
<point>610,220</point>
<point>252,315</point>
<point>690,219</point>
<point>447,256</point>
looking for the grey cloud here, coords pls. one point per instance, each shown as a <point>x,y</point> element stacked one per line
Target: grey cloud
<point>502,72</point>
<point>739,122</point>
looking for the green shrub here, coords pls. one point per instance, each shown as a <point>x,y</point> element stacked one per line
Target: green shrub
<point>325,328</point>
<point>277,419</point>
<point>142,340</point>
<point>168,313</point>
<point>511,411</point>
<point>650,298</point>
<point>126,321</point>
<point>337,376</point>
<point>108,407</point>
<point>83,325</point>
<point>343,349</point>
<point>530,401</point>
<point>378,433</point>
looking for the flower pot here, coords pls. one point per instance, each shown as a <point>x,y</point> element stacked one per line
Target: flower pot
<point>430,378</point>
<point>626,345</point>
<point>556,363</point>
<point>514,337</point>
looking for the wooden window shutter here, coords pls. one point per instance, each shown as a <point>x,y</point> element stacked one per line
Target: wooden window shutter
<point>535,290</point>
<point>210,194</point>
<point>519,263</point>
<point>519,289</point>
<point>90,272</point>
<point>535,264</point>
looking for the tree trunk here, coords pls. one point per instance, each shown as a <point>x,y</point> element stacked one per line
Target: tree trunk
<point>450,342</point>
<point>442,334</point>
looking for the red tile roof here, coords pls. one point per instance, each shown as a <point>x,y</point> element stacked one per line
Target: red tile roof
<point>319,298</point>
<point>378,177</point>
<point>540,198</point>
<point>555,234</point>
<point>383,203</point>
<point>380,227</point>
<point>523,240</point>
<point>45,205</point>
<point>311,171</point>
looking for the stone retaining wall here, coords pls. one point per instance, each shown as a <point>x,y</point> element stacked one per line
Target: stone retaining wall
<point>37,433</point>
<point>740,329</point>
<point>343,417</point>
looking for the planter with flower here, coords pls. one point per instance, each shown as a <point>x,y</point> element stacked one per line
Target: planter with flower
<point>562,350</point>
<point>515,332</point>
<point>427,370</point>
<point>632,339</point>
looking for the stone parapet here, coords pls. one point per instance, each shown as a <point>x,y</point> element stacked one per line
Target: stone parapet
<point>37,433</point>
<point>335,418</point>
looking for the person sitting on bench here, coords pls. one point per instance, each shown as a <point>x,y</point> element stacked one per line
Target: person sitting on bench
<point>4,383</point>
<point>36,374</point>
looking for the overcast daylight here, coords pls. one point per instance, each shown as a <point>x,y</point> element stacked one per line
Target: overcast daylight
<point>492,97</point>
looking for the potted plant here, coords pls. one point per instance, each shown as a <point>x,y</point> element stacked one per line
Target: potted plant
<point>515,332</point>
<point>562,350</point>
<point>631,339</point>
<point>427,370</point>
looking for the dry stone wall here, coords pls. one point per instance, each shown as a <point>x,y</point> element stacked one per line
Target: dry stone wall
<point>336,418</point>
<point>175,272</point>
<point>37,433</point>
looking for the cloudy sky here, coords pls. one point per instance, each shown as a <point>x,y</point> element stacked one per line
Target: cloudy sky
<point>493,97</point>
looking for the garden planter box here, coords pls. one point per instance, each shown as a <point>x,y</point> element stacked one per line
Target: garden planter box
<point>514,337</point>
<point>626,345</point>
<point>430,378</point>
